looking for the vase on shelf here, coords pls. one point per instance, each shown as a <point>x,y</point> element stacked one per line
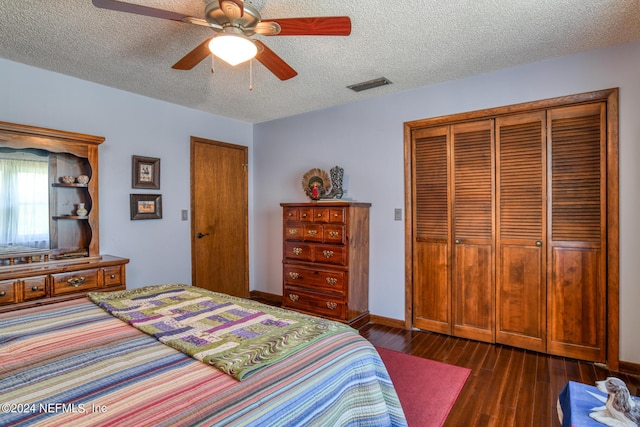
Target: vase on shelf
<point>81,211</point>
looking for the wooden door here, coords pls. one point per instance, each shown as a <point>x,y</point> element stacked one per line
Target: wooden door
<point>473,207</point>
<point>577,232</point>
<point>521,230</point>
<point>219,223</point>
<point>430,192</point>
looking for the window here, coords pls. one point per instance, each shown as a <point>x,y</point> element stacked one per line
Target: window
<point>24,200</point>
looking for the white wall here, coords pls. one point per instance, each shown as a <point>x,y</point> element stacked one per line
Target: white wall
<point>160,250</point>
<point>366,138</point>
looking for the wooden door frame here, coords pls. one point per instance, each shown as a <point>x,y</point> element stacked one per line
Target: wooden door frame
<point>610,96</point>
<point>245,195</point>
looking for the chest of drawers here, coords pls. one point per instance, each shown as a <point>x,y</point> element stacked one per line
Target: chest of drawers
<point>326,260</point>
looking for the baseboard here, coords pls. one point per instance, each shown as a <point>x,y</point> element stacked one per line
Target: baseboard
<point>387,321</point>
<point>629,368</point>
<point>267,298</point>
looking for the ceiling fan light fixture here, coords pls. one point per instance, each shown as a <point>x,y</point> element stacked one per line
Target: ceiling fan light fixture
<point>233,48</point>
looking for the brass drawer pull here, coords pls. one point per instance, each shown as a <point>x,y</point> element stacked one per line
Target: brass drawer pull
<point>293,297</point>
<point>297,251</point>
<point>113,276</point>
<point>290,214</point>
<point>331,305</point>
<point>294,275</point>
<point>312,232</point>
<point>2,293</point>
<point>319,215</point>
<point>304,215</point>
<point>332,280</point>
<point>76,281</point>
<point>293,231</point>
<point>334,233</point>
<point>35,289</point>
<point>327,254</point>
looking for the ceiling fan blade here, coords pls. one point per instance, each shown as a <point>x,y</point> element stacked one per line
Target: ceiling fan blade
<point>194,57</point>
<point>139,10</point>
<point>273,62</point>
<point>232,8</point>
<point>320,26</point>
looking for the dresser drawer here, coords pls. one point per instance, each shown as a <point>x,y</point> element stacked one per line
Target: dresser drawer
<point>321,214</point>
<point>298,251</point>
<point>305,214</point>
<point>313,233</point>
<point>333,234</point>
<point>34,287</point>
<point>333,281</point>
<point>330,254</point>
<point>291,214</point>
<point>318,304</point>
<point>336,215</point>
<point>75,281</point>
<point>8,292</point>
<point>293,231</point>
<point>112,276</point>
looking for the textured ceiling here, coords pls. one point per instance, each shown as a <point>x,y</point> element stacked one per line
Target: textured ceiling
<point>411,42</point>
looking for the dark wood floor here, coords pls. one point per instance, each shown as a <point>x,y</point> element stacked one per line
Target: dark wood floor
<point>507,386</point>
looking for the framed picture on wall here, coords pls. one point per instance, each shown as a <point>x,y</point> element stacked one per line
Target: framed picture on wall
<point>145,172</point>
<point>145,206</point>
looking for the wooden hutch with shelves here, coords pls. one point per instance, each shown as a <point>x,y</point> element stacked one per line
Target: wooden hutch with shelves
<point>72,264</point>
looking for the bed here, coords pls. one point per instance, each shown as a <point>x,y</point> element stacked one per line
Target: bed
<point>74,363</point>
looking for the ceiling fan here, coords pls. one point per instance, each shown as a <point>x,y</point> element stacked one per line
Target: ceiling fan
<point>235,22</point>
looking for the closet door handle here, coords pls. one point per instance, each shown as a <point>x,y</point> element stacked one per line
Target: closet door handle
<point>539,243</point>
<point>457,241</point>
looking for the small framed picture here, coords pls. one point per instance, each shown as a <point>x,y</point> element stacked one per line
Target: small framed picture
<point>145,172</point>
<point>145,206</point>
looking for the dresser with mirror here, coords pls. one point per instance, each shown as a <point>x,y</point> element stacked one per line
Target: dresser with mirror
<point>49,218</point>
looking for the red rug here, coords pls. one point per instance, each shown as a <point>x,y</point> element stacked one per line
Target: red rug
<point>427,389</point>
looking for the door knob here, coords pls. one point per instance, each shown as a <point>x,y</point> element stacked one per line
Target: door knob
<point>200,235</point>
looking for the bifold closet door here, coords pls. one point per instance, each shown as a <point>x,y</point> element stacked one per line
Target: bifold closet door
<point>430,189</point>
<point>521,231</point>
<point>577,315</point>
<point>472,211</point>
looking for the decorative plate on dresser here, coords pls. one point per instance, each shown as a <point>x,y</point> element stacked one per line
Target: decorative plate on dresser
<point>326,260</point>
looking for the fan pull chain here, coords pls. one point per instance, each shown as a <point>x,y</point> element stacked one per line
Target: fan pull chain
<point>213,63</point>
<point>250,75</point>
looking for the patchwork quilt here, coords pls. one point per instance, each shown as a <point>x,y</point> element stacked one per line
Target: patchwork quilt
<point>238,336</point>
<point>73,364</point>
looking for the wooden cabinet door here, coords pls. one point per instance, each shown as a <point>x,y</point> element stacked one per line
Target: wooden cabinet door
<point>473,207</point>
<point>430,192</point>
<point>577,232</point>
<point>521,230</point>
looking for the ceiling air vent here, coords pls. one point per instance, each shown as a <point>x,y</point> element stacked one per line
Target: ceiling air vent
<point>359,87</point>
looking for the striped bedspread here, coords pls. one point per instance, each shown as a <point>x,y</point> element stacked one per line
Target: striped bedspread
<point>74,364</point>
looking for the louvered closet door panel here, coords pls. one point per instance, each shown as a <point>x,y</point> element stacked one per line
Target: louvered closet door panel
<point>473,212</point>
<point>577,253</point>
<point>521,229</point>
<point>431,291</point>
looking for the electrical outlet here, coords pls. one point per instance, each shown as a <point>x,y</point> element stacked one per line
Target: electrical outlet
<point>185,215</point>
<point>397,214</point>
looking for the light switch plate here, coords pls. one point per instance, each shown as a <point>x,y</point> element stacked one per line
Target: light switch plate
<point>185,215</point>
<point>397,214</point>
